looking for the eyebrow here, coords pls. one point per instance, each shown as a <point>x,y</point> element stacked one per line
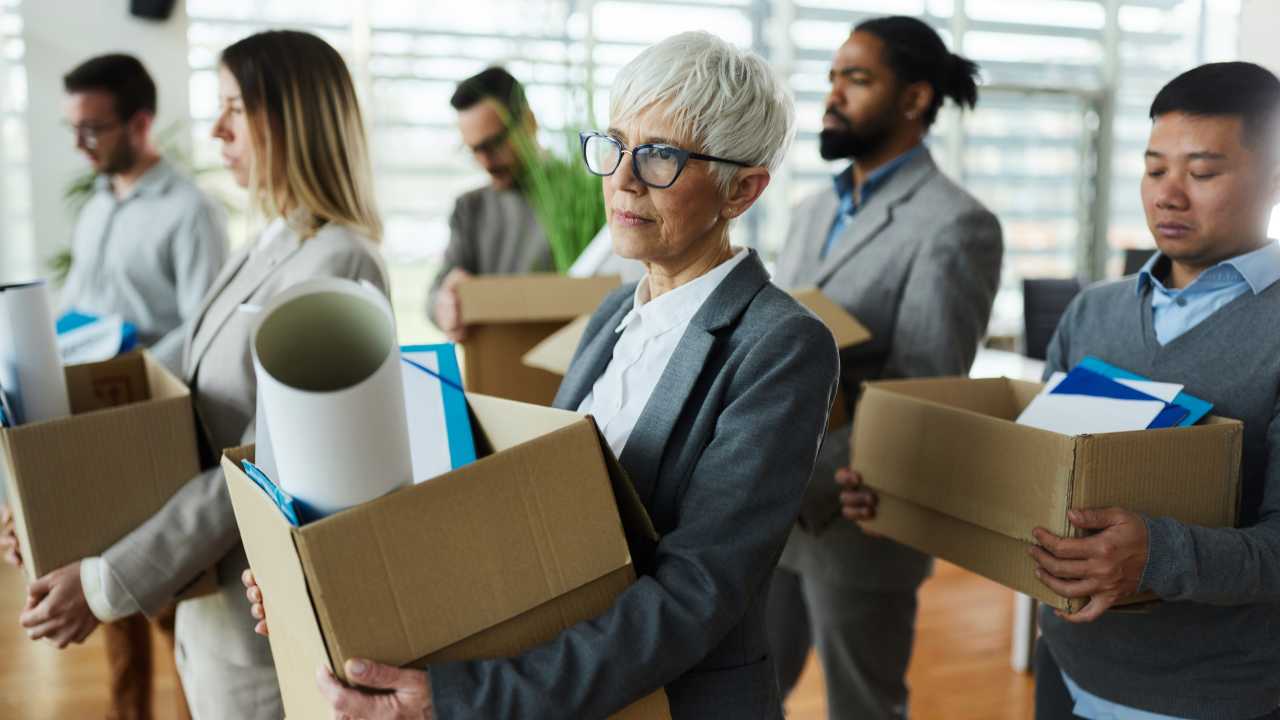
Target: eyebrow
<point>648,140</point>
<point>1199,155</point>
<point>850,70</point>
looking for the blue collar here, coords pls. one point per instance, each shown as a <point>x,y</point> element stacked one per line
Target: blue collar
<point>1259,268</point>
<point>875,180</point>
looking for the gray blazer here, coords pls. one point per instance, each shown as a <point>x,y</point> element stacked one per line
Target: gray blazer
<point>492,232</point>
<point>720,457</point>
<point>919,265</point>
<point>197,529</point>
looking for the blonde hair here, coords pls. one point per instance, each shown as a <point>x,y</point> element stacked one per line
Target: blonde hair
<point>312,158</point>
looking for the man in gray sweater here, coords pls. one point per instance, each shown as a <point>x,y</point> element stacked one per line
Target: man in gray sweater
<point>1202,313</point>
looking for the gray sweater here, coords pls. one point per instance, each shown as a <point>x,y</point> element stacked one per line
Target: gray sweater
<point>1212,650</point>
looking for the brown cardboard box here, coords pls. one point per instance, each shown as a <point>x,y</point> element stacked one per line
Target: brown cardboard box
<point>957,478</point>
<point>485,561</point>
<point>506,315</point>
<point>555,352</point>
<point>78,484</point>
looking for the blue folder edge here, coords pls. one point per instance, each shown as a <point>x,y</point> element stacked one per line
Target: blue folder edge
<point>72,320</point>
<point>288,506</point>
<point>462,446</point>
<point>1196,407</point>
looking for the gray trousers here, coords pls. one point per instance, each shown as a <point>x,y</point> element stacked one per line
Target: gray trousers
<point>863,639</point>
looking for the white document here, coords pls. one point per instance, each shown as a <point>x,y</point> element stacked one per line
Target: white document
<point>30,368</point>
<point>332,395</point>
<point>1086,415</point>
<point>97,341</point>
<point>1165,391</point>
<point>428,426</point>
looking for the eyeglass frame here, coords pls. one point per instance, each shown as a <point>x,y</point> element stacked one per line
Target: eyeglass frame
<point>90,133</point>
<point>682,157</point>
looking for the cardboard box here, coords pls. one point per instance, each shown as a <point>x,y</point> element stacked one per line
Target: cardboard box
<point>555,352</point>
<point>486,561</point>
<point>506,315</point>
<point>78,484</point>
<point>957,478</point>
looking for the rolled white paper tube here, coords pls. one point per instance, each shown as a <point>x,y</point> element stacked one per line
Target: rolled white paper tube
<point>30,367</point>
<point>329,381</point>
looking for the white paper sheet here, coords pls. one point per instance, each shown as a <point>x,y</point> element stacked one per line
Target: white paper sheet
<point>97,341</point>
<point>30,368</point>
<point>1085,414</point>
<point>424,407</point>
<point>331,393</point>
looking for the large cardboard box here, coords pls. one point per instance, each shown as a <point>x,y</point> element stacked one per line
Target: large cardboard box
<point>506,315</point>
<point>78,484</point>
<point>957,478</point>
<point>486,561</point>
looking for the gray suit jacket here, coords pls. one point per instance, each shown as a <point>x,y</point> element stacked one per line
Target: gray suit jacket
<point>919,265</point>
<point>492,232</point>
<point>197,529</point>
<point>720,457</point>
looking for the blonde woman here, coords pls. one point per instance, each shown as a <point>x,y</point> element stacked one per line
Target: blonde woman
<point>292,134</point>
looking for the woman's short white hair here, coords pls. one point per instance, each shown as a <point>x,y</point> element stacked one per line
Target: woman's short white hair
<point>726,99</point>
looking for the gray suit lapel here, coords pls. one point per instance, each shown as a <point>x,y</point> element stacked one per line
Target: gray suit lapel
<point>258,271</point>
<point>643,453</point>
<point>878,213</point>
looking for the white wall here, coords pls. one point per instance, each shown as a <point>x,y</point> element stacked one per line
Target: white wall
<point>1259,21</point>
<point>59,34</point>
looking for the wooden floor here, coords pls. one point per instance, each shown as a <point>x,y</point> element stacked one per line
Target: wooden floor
<point>960,670</point>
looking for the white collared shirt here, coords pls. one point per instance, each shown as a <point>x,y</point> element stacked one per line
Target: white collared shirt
<point>650,334</point>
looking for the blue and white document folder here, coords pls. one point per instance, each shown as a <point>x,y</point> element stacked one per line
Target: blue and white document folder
<point>440,437</point>
<point>1096,397</point>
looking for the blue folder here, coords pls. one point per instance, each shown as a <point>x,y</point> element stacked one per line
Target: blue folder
<point>1082,381</point>
<point>1196,407</point>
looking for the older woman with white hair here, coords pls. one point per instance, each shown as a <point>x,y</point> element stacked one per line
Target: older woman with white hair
<point>713,388</point>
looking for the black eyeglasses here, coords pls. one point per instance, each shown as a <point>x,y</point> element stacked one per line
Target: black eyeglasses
<point>654,164</point>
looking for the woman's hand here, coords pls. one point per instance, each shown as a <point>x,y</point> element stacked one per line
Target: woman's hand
<point>392,693</point>
<point>10,548</point>
<point>57,609</point>
<point>256,607</point>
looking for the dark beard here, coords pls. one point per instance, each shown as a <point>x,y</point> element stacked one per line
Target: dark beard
<point>850,143</point>
<point>121,159</point>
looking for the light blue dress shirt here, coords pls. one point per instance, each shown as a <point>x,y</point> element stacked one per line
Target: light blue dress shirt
<point>1174,312</point>
<point>849,204</point>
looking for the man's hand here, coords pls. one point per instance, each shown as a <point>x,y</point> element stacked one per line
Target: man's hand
<point>392,693</point>
<point>56,608</point>
<point>10,549</point>
<point>256,607</point>
<point>449,308</point>
<point>857,501</point>
<point>1105,567</point>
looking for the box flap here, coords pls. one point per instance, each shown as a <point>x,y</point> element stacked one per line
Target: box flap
<point>949,444</point>
<point>531,298</point>
<point>296,642</point>
<point>845,327</point>
<point>555,353</point>
<point>426,566</point>
<point>506,423</point>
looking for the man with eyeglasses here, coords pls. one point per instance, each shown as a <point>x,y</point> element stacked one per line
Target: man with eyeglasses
<point>917,260</point>
<point>493,229</point>
<point>148,243</point>
<point>147,246</point>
